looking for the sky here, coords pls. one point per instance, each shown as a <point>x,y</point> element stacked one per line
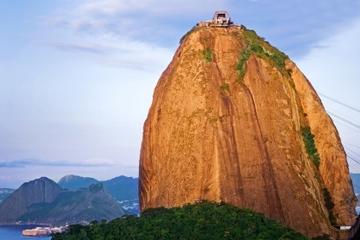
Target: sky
<point>77,77</point>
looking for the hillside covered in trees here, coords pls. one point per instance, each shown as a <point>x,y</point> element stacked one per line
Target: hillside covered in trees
<point>207,221</point>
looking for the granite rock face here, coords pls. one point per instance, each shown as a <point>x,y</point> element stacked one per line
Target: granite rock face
<point>334,169</point>
<point>226,124</point>
<point>42,190</point>
<point>42,201</point>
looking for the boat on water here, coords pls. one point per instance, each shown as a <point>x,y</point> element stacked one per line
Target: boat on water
<point>35,232</point>
<point>43,231</point>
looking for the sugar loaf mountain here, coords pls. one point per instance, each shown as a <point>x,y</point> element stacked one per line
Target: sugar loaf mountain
<point>236,142</point>
<point>234,120</point>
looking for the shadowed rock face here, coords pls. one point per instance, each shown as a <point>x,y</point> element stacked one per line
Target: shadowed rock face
<point>221,130</point>
<point>333,167</point>
<point>42,190</point>
<point>42,201</point>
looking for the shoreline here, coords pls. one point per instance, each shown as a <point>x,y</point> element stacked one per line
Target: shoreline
<point>43,231</point>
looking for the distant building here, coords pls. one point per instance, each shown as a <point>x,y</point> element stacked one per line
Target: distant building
<point>220,19</point>
<point>44,231</point>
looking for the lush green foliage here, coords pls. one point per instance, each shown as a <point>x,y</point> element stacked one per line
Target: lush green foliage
<point>329,205</point>
<point>241,65</point>
<point>311,149</point>
<point>194,222</point>
<point>310,146</point>
<point>261,48</point>
<point>207,55</point>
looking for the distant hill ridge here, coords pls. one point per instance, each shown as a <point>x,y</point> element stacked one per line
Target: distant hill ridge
<point>44,201</point>
<point>121,188</point>
<point>73,182</point>
<point>42,190</point>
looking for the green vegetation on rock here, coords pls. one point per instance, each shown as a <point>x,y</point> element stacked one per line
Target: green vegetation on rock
<point>259,47</point>
<point>329,205</point>
<point>241,65</point>
<point>310,146</point>
<point>311,149</point>
<point>207,221</point>
<point>207,55</point>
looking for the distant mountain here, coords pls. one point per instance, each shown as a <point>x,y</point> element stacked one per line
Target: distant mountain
<point>356,182</point>
<point>72,207</point>
<point>73,182</point>
<point>4,193</point>
<point>42,190</point>
<point>123,189</point>
<point>44,201</point>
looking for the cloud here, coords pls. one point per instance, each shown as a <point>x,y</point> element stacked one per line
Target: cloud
<point>96,10</point>
<point>126,34</point>
<point>22,163</point>
<point>117,51</point>
<point>332,63</point>
<point>76,47</point>
<point>332,67</point>
<point>161,23</point>
<point>144,19</point>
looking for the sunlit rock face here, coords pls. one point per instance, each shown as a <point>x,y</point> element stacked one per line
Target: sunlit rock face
<point>228,123</point>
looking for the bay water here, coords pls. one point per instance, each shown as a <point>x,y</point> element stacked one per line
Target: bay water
<point>13,232</point>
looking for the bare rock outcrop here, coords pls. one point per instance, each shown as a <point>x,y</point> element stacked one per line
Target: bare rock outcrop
<point>38,191</point>
<point>234,120</point>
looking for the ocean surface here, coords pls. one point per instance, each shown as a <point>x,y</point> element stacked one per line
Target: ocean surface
<point>14,233</point>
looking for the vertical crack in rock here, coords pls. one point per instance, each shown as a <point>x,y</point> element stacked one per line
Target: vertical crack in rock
<point>231,180</point>
<point>272,194</point>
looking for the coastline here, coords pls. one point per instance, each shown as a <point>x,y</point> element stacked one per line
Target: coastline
<point>43,231</point>
<point>14,232</point>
